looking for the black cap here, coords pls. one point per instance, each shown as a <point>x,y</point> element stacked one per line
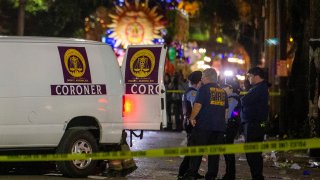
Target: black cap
<point>257,71</point>
<point>195,77</point>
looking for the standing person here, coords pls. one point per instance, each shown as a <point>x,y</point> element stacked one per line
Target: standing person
<point>177,84</point>
<point>167,82</point>
<point>254,114</point>
<point>233,123</point>
<point>208,121</point>
<point>187,104</point>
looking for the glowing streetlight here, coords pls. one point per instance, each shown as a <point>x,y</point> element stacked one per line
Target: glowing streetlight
<point>236,60</point>
<point>240,77</point>
<point>202,50</point>
<point>207,59</point>
<point>291,39</point>
<point>227,73</point>
<point>219,39</point>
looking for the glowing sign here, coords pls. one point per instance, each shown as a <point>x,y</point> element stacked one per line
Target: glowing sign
<point>135,24</point>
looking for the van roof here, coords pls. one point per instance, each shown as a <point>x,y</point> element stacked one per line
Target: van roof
<point>38,39</point>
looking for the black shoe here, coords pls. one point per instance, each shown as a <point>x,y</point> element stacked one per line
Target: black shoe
<point>187,176</point>
<point>111,173</point>
<point>209,177</point>
<point>226,177</point>
<point>198,176</point>
<point>118,173</point>
<point>127,171</point>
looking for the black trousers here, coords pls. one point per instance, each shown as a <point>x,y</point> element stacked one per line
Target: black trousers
<point>178,115</point>
<point>231,132</point>
<point>254,132</point>
<point>184,166</point>
<point>201,137</point>
<point>168,109</point>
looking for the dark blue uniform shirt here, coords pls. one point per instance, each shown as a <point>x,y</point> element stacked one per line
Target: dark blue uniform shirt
<point>214,103</point>
<point>255,104</point>
<point>188,100</point>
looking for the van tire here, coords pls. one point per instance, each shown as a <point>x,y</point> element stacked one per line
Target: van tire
<point>71,139</point>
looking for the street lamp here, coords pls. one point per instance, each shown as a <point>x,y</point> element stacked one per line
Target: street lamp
<point>227,73</point>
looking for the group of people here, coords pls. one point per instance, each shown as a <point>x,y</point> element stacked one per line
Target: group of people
<point>177,84</point>
<point>214,113</point>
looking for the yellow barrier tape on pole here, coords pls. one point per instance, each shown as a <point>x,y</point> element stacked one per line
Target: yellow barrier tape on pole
<point>171,152</point>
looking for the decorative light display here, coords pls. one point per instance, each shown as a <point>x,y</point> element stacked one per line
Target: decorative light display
<point>192,8</point>
<point>219,40</point>
<point>291,39</point>
<point>272,41</point>
<point>171,54</point>
<point>135,24</point>
<point>96,24</point>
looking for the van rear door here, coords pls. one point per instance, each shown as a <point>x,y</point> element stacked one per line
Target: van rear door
<point>144,100</point>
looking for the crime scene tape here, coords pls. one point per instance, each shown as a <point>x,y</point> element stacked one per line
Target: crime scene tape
<point>241,93</point>
<point>175,91</point>
<point>266,146</point>
<point>270,93</point>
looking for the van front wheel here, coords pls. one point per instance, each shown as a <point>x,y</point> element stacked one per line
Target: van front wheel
<point>77,142</point>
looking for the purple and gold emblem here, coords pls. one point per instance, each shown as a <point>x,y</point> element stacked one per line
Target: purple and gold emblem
<point>142,63</point>
<point>142,68</point>
<point>75,66</point>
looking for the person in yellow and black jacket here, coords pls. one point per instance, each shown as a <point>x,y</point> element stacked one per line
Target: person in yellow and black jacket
<point>208,120</point>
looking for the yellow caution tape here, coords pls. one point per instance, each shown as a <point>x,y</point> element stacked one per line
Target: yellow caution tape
<point>171,152</point>
<point>175,91</point>
<point>274,93</point>
<point>270,93</point>
<point>241,93</point>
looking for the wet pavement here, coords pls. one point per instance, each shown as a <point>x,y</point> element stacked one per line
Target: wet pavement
<point>167,168</point>
<point>276,165</point>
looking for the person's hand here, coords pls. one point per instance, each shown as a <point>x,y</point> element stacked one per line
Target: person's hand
<point>193,122</point>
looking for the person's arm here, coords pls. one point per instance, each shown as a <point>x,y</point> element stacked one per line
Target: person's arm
<point>195,111</point>
<point>227,106</point>
<point>251,97</point>
<point>227,114</point>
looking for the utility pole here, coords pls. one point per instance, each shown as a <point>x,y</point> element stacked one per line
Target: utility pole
<point>282,61</point>
<point>21,16</point>
<point>298,81</point>
<point>271,58</point>
<point>314,76</point>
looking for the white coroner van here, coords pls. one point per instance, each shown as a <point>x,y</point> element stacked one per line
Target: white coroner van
<point>67,96</point>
